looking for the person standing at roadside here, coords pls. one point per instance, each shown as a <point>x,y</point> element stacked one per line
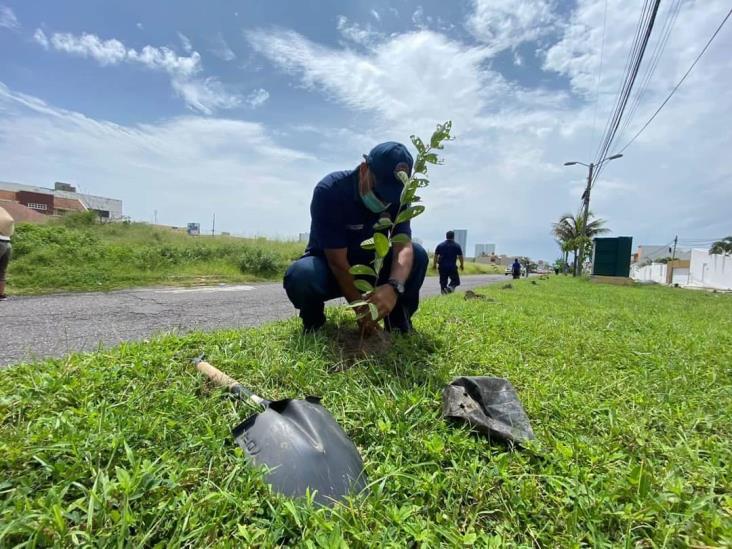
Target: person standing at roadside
<point>7,227</point>
<point>516,269</point>
<point>447,255</point>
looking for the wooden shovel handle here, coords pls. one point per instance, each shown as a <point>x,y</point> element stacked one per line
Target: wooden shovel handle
<point>223,380</point>
<point>216,375</point>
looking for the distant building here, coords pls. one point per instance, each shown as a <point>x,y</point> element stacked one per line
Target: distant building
<point>485,250</point>
<point>60,200</point>
<point>303,237</point>
<point>194,229</point>
<point>461,237</point>
<point>648,253</point>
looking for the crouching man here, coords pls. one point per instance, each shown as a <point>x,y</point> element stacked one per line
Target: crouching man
<point>344,209</point>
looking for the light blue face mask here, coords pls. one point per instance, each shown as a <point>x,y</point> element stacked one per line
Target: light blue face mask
<point>373,202</point>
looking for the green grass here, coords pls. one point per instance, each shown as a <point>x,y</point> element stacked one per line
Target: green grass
<point>73,254</point>
<point>628,391</point>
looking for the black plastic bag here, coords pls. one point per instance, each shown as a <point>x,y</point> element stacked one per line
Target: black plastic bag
<point>488,404</point>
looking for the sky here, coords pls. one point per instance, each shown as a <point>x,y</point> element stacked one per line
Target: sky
<point>238,109</point>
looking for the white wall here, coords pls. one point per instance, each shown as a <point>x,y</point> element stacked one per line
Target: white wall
<point>655,272</point>
<point>710,271</point>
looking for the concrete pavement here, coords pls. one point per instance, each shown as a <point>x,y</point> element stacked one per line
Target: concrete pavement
<point>56,325</point>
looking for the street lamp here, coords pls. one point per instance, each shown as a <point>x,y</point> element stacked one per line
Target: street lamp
<point>586,195</point>
<point>591,168</point>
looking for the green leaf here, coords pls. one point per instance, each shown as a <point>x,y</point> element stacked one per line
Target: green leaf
<point>409,213</point>
<point>431,158</point>
<point>408,194</point>
<point>362,270</point>
<point>403,177</point>
<point>419,165</point>
<point>378,264</point>
<point>418,144</point>
<point>368,244</point>
<point>382,244</point>
<point>383,223</point>
<point>363,285</point>
<point>374,311</point>
<point>400,239</point>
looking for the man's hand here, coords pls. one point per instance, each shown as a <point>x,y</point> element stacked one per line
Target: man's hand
<point>462,267</point>
<point>385,298</point>
<point>367,326</point>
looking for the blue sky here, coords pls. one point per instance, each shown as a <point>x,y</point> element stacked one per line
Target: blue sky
<point>239,108</point>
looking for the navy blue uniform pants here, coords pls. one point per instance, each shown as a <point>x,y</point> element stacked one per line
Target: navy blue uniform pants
<point>309,283</point>
<point>451,274</point>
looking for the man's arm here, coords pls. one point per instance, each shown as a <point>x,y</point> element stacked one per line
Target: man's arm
<point>385,296</point>
<point>338,263</point>
<point>462,264</point>
<point>401,265</point>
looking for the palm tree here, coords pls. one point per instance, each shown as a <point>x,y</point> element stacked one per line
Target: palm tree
<point>722,247</point>
<point>575,234</point>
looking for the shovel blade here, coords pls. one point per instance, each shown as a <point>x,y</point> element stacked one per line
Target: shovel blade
<point>302,447</point>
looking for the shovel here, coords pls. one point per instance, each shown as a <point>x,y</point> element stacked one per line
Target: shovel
<point>298,442</point>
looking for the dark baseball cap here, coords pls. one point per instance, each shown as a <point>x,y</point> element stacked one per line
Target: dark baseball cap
<point>384,161</point>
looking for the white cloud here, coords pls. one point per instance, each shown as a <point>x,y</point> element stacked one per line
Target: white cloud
<point>185,42</point>
<point>40,37</point>
<point>186,167</point>
<point>375,14</point>
<point>105,52</point>
<point>356,33</point>
<point>8,20</point>
<point>205,95</point>
<point>504,24</point>
<point>221,49</point>
<point>257,98</point>
<point>405,77</point>
<point>139,25</point>
<point>418,18</point>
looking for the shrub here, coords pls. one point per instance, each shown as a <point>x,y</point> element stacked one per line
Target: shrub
<point>259,261</point>
<point>29,238</point>
<point>80,219</point>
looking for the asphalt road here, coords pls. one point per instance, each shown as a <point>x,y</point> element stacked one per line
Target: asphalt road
<point>56,325</point>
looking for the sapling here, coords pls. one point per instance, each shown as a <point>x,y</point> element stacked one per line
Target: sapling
<point>384,239</point>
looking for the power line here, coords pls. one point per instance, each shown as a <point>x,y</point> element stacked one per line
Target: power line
<point>676,87</point>
<point>665,33</point>
<point>599,72</point>
<point>648,17</point>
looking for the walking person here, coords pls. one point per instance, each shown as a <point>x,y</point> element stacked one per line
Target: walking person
<point>344,209</point>
<point>516,269</point>
<point>447,255</point>
<point>7,227</point>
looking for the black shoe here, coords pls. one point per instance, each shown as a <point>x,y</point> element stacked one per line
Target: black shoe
<point>3,297</point>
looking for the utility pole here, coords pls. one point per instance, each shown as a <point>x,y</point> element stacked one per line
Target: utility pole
<point>586,194</point>
<point>213,224</point>
<point>155,216</point>
<point>676,240</point>
<point>585,213</point>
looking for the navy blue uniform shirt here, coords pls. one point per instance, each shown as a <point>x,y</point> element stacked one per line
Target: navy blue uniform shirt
<point>449,250</point>
<point>340,220</point>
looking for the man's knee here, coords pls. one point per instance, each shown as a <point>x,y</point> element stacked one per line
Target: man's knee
<point>305,280</point>
<point>421,259</point>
